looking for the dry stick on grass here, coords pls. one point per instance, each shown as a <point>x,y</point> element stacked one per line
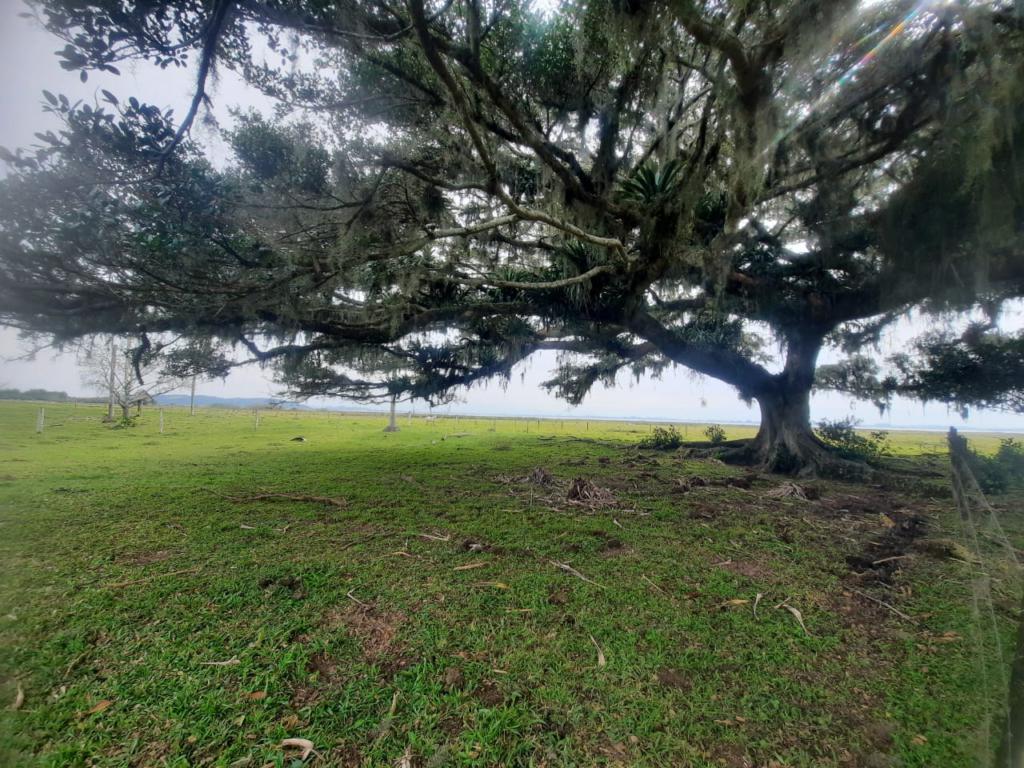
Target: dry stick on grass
<point>119,584</point>
<point>884,604</point>
<point>339,503</point>
<point>569,569</point>
<point>643,577</point>
<point>601,661</point>
<point>890,559</point>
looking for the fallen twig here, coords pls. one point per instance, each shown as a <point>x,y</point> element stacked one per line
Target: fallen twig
<point>353,598</point>
<point>569,569</point>
<point>333,502</point>
<point>884,604</point>
<point>119,584</point>
<point>890,559</point>
<point>601,661</point>
<point>433,537</point>
<point>643,576</point>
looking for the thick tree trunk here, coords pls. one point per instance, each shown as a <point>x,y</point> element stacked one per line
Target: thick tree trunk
<point>786,441</point>
<point>126,411</point>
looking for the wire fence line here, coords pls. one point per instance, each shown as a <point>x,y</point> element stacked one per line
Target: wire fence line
<point>984,536</point>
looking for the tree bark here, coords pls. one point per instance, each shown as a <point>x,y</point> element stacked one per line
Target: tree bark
<point>111,379</point>
<point>392,424</point>
<point>785,441</point>
<point>126,411</point>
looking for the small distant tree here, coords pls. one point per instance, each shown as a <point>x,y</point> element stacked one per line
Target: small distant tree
<point>130,377</point>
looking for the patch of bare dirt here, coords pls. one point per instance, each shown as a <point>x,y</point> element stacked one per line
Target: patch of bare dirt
<point>752,571</point>
<point>732,756</point>
<point>376,630</point>
<point>291,585</point>
<point>323,666</point>
<point>305,696</point>
<point>454,679</point>
<point>488,694</point>
<point>145,558</point>
<point>886,553</point>
<point>673,678</point>
<point>559,596</point>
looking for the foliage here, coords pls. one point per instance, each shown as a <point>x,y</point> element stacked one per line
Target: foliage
<point>979,368</point>
<point>715,433</point>
<point>1011,456</point>
<point>842,435</point>
<point>662,439</point>
<point>1002,471</point>
<point>448,189</point>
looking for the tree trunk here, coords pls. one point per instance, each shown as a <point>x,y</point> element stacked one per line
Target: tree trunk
<point>111,380</point>
<point>786,441</point>
<point>126,411</point>
<point>392,425</point>
<point>192,398</point>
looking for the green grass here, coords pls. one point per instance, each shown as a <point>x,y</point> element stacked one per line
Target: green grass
<point>126,573</point>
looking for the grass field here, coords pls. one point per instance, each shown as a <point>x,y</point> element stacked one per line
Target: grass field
<point>454,606</point>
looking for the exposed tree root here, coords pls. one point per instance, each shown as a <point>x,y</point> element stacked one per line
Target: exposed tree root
<point>812,459</point>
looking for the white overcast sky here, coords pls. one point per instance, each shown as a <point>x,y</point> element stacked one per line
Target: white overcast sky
<point>26,57</point>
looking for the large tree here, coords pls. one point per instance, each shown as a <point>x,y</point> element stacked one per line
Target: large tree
<point>450,187</point>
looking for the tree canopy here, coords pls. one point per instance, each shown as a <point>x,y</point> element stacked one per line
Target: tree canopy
<point>447,188</point>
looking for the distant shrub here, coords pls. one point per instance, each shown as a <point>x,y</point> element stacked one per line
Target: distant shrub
<point>842,435</point>
<point>715,434</point>
<point>663,439</point>
<point>1001,472</point>
<point>1011,456</point>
